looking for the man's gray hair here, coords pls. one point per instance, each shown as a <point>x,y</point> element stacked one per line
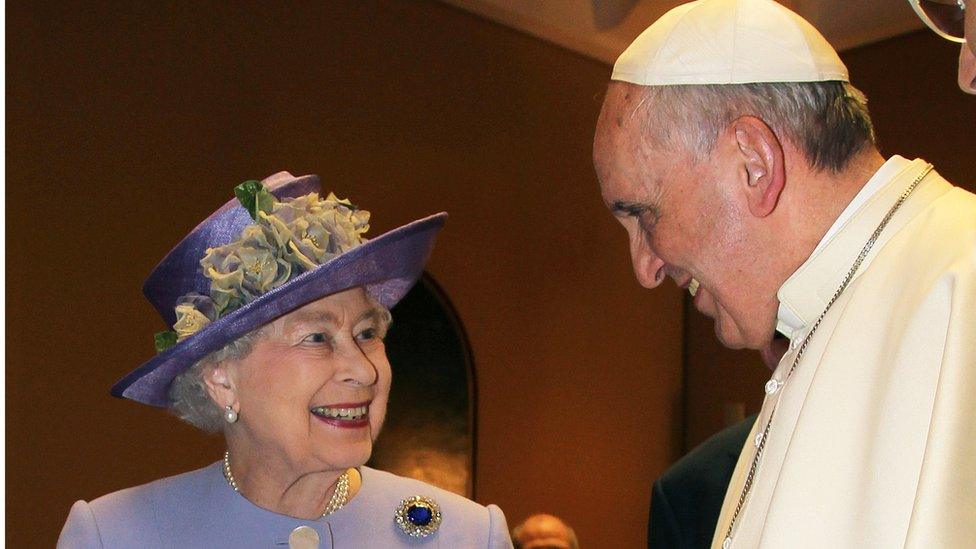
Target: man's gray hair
<point>189,399</point>
<point>827,121</point>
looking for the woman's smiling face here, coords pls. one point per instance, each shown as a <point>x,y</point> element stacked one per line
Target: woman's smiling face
<point>312,392</point>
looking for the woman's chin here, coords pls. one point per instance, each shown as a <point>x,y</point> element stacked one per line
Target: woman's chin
<point>346,455</point>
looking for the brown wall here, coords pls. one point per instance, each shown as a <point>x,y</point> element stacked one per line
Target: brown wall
<point>918,112</point>
<point>128,124</point>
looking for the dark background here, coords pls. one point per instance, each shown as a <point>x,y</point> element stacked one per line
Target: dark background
<point>428,433</point>
<point>128,123</point>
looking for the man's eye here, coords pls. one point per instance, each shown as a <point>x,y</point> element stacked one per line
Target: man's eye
<point>647,220</point>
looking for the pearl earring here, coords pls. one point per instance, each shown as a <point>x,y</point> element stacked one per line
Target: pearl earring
<point>229,414</point>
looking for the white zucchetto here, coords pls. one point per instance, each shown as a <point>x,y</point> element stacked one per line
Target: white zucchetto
<point>729,42</point>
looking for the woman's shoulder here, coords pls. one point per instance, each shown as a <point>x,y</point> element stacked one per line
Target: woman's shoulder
<point>184,486</point>
<point>464,523</point>
<point>126,515</point>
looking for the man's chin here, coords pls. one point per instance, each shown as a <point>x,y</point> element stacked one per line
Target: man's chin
<point>733,338</point>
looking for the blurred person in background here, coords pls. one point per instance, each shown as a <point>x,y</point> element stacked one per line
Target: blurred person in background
<point>543,531</point>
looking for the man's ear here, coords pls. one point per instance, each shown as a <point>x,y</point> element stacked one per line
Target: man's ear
<point>761,155</point>
<point>219,384</point>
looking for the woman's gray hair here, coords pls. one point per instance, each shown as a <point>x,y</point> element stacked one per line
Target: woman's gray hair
<point>828,121</point>
<point>189,399</point>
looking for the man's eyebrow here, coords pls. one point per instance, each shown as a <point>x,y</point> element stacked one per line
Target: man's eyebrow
<point>632,209</point>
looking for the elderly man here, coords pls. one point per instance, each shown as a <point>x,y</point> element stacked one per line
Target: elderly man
<point>742,164</point>
<point>951,20</point>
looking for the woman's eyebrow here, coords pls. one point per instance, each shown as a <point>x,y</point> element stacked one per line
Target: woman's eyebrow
<point>325,317</point>
<point>373,313</point>
<point>310,317</point>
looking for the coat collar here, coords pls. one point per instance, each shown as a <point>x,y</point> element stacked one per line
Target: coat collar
<point>805,294</point>
<point>275,527</point>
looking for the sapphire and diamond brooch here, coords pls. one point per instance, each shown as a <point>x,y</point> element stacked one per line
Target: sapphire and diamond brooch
<point>418,516</point>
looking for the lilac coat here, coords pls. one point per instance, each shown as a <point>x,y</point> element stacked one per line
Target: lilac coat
<point>199,509</point>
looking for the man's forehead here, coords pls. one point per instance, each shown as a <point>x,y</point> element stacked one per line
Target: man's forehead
<point>616,132</point>
<point>621,107</point>
<point>621,157</point>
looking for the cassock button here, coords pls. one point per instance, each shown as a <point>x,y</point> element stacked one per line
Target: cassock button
<point>759,439</point>
<point>303,537</point>
<point>772,386</point>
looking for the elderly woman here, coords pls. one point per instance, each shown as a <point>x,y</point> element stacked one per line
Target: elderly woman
<point>277,342</point>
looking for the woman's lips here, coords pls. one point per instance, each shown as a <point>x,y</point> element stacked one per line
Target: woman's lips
<point>348,416</point>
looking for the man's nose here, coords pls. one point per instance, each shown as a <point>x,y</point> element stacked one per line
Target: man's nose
<point>648,267</point>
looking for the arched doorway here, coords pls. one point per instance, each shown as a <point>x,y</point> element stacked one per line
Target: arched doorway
<point>429,431</point>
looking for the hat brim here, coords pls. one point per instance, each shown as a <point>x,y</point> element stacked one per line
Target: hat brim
<point>386,266</point>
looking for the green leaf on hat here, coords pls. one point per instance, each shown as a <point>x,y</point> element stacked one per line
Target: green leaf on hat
<point>164,340</point>
<point>254,197</point>
<point>265,201</point>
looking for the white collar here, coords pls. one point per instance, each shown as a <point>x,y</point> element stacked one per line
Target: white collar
<point>787,322</point>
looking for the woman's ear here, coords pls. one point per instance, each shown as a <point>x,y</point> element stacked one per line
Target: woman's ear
<point>220,386</point>
<point>761,154</point>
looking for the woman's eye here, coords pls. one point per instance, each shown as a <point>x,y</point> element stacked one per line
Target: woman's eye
<point>316,338</point>
<point>368,334</point>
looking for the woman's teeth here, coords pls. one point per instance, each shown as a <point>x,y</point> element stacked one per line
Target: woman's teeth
<point>350,414</point>
<point>693,287</point>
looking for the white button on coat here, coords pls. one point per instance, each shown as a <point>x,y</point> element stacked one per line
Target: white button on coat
<point>303,537</point>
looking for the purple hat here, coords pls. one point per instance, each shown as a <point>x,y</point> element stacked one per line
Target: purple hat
<point>386,266</point>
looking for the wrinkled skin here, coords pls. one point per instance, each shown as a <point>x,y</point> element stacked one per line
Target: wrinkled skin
<point>686,219</point>
<point>327,353</point>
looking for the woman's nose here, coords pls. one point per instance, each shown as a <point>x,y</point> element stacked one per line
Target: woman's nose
<point>355,366</point>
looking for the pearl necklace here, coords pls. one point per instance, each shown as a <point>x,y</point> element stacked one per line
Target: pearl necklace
<point>339,497</point>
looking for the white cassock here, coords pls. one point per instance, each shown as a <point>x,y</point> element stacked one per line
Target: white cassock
<point>873,439</point>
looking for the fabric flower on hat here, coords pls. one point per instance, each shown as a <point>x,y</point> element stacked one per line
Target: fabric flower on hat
<point>311,231</point>
<point>286,239</point>
<point>193,313</point>
<point>244,269</point>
